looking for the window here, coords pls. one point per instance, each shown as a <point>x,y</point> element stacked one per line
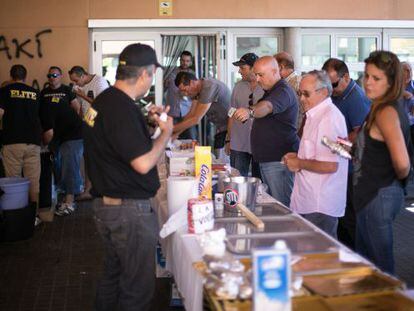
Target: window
<point>241,41</point>
<point>350,45</point>
<point>355,50</point>
<point>258,45</point>
<point>403,47</point>
<point>316,49</point>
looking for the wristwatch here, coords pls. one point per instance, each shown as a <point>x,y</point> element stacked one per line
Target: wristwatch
<point>251,113</point>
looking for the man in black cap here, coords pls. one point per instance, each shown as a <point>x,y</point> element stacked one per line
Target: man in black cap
<point>245,93</point>
<point>121,159</point>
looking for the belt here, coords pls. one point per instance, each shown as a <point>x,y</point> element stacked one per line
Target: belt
<point>111,201</point>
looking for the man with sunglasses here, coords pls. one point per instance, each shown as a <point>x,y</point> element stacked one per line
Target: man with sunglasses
<point>350,99</point>
<point>59,112</point>
<point>319,192</point>
<point>246,93</point>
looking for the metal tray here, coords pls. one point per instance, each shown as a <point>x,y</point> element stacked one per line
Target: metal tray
<point>350,282</point>
<point>323,263</point>
<point>241,226</point>
<point>298,242</point>
<point>261,210</point>
<point>382,301</point>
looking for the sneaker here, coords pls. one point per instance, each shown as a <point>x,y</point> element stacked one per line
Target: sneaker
<point>62,210</point>
<point>38,221</point>
<point>70,206</point>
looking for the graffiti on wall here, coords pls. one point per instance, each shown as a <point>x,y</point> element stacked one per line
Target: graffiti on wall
<point>28,47</point>
<point>23,47</point>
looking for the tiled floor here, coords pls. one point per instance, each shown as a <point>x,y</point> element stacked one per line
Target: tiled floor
<point>57,269</point>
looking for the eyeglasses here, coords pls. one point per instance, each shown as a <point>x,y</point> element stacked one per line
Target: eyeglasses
<point>308,94</point>
<point>251,100</point>
<point>335,84</point>
<point>53,75</point>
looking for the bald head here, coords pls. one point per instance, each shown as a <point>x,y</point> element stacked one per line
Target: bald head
<point>267,73</point>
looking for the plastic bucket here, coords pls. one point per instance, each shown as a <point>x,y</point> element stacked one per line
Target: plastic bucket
<point>240,190</point>
<point>16,193</point>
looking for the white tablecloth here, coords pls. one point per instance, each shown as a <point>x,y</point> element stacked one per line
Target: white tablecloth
<point>182,250</point>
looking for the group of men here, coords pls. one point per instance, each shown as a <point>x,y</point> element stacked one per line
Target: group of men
<point>53,118</point>
<point>277,127</point>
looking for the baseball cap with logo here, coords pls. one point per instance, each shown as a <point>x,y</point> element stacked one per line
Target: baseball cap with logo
<point>247,59</point>
<point>139,55</point>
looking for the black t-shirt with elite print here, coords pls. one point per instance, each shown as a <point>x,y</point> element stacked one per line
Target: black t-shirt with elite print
<point>21,122</point>
<point>115,133</point>
<point>56,112</point>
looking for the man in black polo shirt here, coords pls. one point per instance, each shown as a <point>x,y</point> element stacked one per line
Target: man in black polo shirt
<point>121,159</point>
<point>274,128</point>
<point>19,108</point>
<point>59,112</point>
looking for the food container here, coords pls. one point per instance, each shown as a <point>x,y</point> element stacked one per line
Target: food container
<point>241,226</point>
<point>298,242</point>
<point>350,282</point>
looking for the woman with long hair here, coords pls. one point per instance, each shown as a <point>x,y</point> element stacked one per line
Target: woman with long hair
<point>381,161</point>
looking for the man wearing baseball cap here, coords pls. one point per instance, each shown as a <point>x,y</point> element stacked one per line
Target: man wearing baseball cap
<point>121,159</point>
<point>245,93</point>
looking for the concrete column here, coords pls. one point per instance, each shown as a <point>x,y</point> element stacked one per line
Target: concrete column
<point>293,45</point>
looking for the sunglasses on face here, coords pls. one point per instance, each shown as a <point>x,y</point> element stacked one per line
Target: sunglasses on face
<point>53,75</point>
<point>335,84</point>
<point>251,100</point>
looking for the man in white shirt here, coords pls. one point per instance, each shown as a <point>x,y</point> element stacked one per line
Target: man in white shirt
<point>88,86</point>
<point>319,191</point>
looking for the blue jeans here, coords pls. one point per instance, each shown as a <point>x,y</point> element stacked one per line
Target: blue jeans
<point>327,223</point>
<point>130,234</point>
<point>241,161</point>
<point>279,180</point>
<point>71,153</point>
<point>374,237</point>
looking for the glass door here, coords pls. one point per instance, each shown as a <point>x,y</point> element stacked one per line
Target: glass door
<point>108,45</point>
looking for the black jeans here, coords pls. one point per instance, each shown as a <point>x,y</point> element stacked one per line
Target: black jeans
<point>130,233</point>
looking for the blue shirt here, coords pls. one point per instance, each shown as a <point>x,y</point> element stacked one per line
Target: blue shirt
<point>410,87</point>
<point>353,104</point>
<point>275,134</point>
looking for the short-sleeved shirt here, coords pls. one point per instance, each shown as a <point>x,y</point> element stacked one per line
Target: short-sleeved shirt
<point>21,121</point>
<point>353,104</point>
<point>92,90</point>
<point>240,132</point>
<point>275,134</point>
<point>56,113</point>
<point>314,192</point>
<point>179,105</point>
<point>218,94</point>
<point>113,138</point>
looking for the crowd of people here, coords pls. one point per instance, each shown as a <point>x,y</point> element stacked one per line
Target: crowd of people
<point>280,120</point>
<point>273,133</point>
<point>50,120</point>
